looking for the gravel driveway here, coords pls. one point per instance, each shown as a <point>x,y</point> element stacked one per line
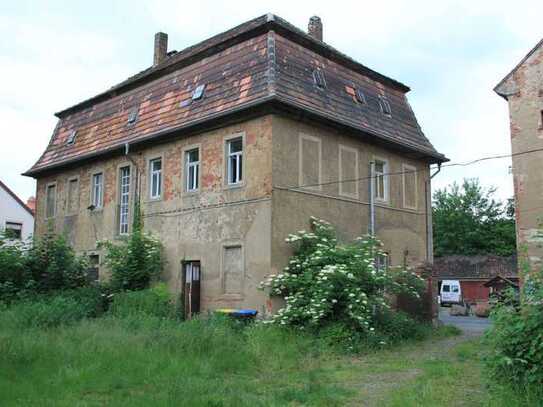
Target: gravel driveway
<point>470,324</point>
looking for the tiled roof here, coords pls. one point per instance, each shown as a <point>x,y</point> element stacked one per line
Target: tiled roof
<point>474,267</point>
<point>263,61</point>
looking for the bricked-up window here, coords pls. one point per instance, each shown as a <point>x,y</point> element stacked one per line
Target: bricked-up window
<point>192,170</point>
<point>51,201</point>
<point>155,176</point>
<point>97,190</point>
<point>124,199</point>
<point>233,270</point>
<point>381,180</point>
<point>235,161</point>
<point>72,204</point>
<point>13,230</point>
<point>409,181</point>
<point>348,171</point>
<point>310,161</point>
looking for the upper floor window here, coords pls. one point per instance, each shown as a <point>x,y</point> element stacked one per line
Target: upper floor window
<point>51,201</point>
<point>155,176</point>
<point>124,199</point>
<point>381,180</point>
<point>235,161</point>
<point>409,181</point>
<point>385,106</point>
<point>192,169</point>
<point>97,191</point>
<point>72,204</point>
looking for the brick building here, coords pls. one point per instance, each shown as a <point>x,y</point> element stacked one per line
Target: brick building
<point>232,144</point>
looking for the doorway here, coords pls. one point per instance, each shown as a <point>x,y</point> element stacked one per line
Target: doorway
<point>191,288</point>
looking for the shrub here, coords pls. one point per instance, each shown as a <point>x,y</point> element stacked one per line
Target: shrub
<point>327,283</point>
<point>154,302</point>
<point>135,262</point>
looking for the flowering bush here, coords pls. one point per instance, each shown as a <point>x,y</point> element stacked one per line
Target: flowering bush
<point>327,283</point>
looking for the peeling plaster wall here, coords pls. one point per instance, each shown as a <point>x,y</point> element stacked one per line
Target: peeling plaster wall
<point>192,226</point>
<point>402,230</point>
<point>526,119</point>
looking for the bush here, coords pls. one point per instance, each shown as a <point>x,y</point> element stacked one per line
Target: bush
<point>135,262</point>
<point>154,302</point>
<point>326,283</point>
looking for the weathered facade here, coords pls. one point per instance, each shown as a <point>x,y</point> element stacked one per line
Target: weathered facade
<point>523,90</point>
<point>231,145</point>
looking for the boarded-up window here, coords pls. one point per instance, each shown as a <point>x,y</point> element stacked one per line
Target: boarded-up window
<point>380,178</point>
<point>310,161</point>
<point>73,196</point>
<point>348,171</point>
<point>409,186</point>
<point>233,270</point>
<point>51,201</point>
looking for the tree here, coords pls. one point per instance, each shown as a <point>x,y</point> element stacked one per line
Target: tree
<point>468,220</point>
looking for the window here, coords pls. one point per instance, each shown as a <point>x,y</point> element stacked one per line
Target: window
<point>155,186</point>
<point>192,169</point>
<point>198,93</point>
<point>360,97</point>
<point>97,193</point>
<point>318,78</point>
<point>124,199</point>
<point>233,270</point>
<point>381,180</point>
<point>133,115</point>
<point>71,138</point>
<point>409,181</point>
<point>93,272</point>
<point>310,162</point>
<point>455,289</point>
<point>13,230</point>
<point>235,161</point>
<point>385,106</point>
<point>51,201</point>
<point>446,288</point>
<point>72,204</point>
<point>382,262</point>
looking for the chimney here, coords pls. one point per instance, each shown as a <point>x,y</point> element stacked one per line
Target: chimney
<point>31,203</point>
<point>161,48</point>
<point>314,28</point>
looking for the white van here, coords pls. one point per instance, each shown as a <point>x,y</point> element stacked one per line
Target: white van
<point>450,292</point>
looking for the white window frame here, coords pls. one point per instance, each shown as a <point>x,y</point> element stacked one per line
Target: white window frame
<point>303,137</point>
<point>239,160</point>
<point>342,176</point>
<point>155,175</point>
<point>409,168</point>
<point>97,190</point>
<point>20,229</point>
<point>386,184</point>
<point>51,185</point>
<point>193,178</point>
<point>124,199</point>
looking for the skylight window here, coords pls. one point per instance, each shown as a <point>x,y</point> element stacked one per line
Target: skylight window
<point>133,115</point>
<point>71,138</point>
<point>318,78</point>
<point>360,97</point>
<point>198,93</point>
<point>385,106</point>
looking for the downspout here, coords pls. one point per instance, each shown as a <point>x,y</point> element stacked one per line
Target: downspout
<point>429,226</point>
<point>372,199</point>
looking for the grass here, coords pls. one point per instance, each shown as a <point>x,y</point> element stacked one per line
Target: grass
<point>142,361</point>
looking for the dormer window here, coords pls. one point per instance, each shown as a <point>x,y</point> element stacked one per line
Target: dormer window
<point>71,138</point>
<point>198,93</point>
<point>132,115</point>
<point>360,97</point>
<point>385,106</point>
<point>318,78</point>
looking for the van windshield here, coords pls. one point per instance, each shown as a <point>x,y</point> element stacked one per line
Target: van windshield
<point>454,288</point>
<point>446,288</point>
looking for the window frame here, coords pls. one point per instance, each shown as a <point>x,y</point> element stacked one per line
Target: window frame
<point>340,171</point>
<point>386,180</point>
<point>20,230</point>
<point>227,154</point>
<point>100,204</point>
<point>150,175</point>
<point>187,165</point>
<point>406,168</point>
<point>120,194</point>
<point>55,196</point>
<point>384,104</point>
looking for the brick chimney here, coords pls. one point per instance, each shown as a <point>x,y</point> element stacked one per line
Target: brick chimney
<point>314,28</point>
<point>31,203</point>
<point>161,48</point>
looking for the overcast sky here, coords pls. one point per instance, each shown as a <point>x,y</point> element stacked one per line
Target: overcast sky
<point>54,54</point>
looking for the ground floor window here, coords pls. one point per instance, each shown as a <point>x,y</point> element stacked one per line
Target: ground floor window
<point>14,230</point>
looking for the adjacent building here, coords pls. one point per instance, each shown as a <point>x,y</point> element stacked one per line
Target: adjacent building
<point>523,90</point>
<point>16,217</point>
<point>232,144</point>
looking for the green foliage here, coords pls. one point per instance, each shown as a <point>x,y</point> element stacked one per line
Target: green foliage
<point>468,220</point>
<point>44,265</point>
<point>327,283</point>
<point>156,301</point>
<point>136,261</point>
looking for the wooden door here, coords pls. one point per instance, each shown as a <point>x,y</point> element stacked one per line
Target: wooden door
<point>191,288</point>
